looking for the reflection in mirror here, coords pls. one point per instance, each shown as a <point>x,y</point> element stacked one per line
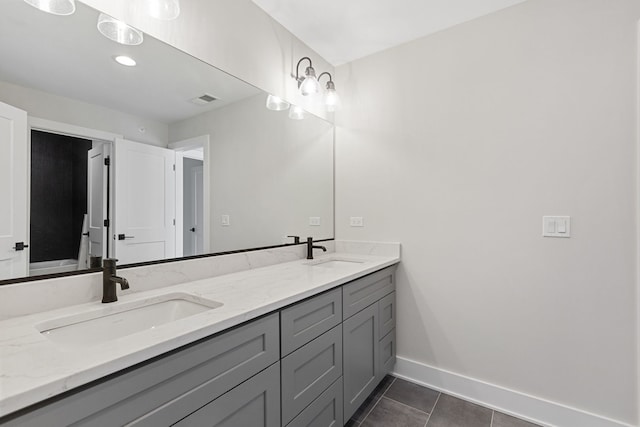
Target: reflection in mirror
<point>168,158</point>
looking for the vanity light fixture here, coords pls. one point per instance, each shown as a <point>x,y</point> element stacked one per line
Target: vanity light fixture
<point>296,113</point>
<point>118,31</point>
<point>55,7</point>
<point>308,84</point>
<point>125,60</point>
<point>276,103</point>
<point>165,10</point>
<point>331,98</point>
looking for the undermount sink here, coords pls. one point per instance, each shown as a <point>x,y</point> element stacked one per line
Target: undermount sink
<point>335,262</point>
<point>111,322</point>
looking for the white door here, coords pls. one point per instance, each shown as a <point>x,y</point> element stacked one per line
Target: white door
<point>197,177</point>
<point>144,228</point>
<point>97,200</point>
<point>14,170</point>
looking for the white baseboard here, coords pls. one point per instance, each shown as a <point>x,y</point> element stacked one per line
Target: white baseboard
<point>511,402</point>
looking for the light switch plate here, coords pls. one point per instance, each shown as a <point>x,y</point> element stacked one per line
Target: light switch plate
<point>556,226</point>
<point>314,221</point>
<point>225,221</point>
<point>356,221</point>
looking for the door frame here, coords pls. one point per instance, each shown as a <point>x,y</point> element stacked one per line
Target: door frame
<point>61,128</point>
<point>202,141</point>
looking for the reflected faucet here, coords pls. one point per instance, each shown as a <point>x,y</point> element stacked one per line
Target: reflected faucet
<point>296,239</point>
<point>109,280</point>
<point>311,247</point>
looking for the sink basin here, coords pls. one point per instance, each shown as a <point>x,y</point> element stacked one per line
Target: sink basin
<point>122,319</point>
<point>335,262</point>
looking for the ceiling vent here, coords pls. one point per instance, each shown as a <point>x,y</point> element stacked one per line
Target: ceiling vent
<point>204,99</point>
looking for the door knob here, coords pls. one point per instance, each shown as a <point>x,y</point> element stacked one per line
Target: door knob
<point>122,237</point>
<point>192,229</point>
<point>20,246</point>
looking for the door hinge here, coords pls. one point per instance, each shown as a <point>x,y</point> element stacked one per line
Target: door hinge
<point>107,161</point>
<point>174,221</point>
<point>106,222</point>
<point>174,167</point>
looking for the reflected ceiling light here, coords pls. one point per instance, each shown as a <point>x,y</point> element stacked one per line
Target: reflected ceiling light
<point>56,7</point>
<point>165,10</point>
<point>296,113</point>
<point>331,98</point>
<point>118,31</point>
<point>125,60</point>
<point>276,104</point>
<point>308,84</point>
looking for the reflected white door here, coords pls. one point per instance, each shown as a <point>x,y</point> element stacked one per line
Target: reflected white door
<point>197,177</point>
<point>14,168</point>
<point>97,199</point>
<point>144,228</point>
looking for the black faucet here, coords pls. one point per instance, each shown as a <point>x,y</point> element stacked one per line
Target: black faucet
<point>296,239</point>
<point>109,280</point>
<point>311,247</point>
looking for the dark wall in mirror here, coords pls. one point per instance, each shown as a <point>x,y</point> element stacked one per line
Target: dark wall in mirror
<point>180,158</point>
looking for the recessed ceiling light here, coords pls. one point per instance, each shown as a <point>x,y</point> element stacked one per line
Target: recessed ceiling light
<point>56,7</point>
<point>125,60</point>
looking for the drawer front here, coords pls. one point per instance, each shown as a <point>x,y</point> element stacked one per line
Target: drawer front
<point>309,319</point>
<point>254,403</point>
<point>363,292</point>
<point>387,353</point>
<point>387,307</point>
<point>308,371</point>
<point>361,358</point>
<point>201,372</point>
<point>325,411</point>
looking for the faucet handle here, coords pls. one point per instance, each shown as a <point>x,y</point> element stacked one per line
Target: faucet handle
<point>296,239</point>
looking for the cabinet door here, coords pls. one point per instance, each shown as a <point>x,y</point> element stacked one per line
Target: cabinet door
<point>387,353</point>
<point>325,411</point>
<point>308,371</point>
<point>361,353</point>
<point>254,403</point>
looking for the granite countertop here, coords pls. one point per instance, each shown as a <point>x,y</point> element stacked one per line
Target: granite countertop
<point>34,368</point>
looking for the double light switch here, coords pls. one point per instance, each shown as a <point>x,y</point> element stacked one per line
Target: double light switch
<point>556,226</point>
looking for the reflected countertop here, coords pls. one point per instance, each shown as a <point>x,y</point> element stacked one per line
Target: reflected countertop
<point>33,368</point>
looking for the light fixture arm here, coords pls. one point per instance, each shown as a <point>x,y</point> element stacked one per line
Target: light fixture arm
<point>330,84</point>
<point>298,78</point>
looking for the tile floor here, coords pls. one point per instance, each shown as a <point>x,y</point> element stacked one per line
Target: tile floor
<point>399,403</point>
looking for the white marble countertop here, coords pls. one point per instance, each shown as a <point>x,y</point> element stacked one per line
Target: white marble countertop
<point>34,368</point>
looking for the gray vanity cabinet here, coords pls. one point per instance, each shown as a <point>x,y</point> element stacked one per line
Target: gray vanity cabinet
<point>368,335</point>
<point>254,403</point>
<point>168,388</point>
<point>325,411</point>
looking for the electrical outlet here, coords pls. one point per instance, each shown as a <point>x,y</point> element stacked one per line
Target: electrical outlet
<point>314,221</point>
<point>356,221</point>
<point>225,221</point>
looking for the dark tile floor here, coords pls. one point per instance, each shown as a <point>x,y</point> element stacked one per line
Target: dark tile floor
<point>399,403</point>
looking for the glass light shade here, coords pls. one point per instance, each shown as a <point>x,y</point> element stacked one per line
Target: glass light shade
<point>56,7</point>
<point>276,104</point>
<point>310,84</point>
<point>296,113</point>
<point>165,10</point>
<point>331,100</point>
<point>118,31</point>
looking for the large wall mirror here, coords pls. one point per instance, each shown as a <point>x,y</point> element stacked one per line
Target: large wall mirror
<point>169,158</point>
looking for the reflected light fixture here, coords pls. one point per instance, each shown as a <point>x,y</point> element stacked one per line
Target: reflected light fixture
<point>165,10</point>
<point>127,61</point>
<point>308,84</point>
<point>55,7</point>
<point>296,113</point>
<point>276,104</point>
<point>118,31</point>
<point>331,98</point>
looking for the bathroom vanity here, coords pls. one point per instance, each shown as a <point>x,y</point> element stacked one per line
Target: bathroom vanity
<point>294,344</point>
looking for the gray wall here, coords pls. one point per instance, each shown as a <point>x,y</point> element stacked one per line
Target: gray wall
<point>456,145</point>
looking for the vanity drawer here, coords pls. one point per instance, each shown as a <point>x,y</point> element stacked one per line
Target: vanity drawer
<point>363,292</point>
<point>170,387</point>
<point>325,411</point>
<point>387,307</point>
<point>387,358</point>
<point>308,371</point>
<point>309,319</point>
<point>255,403</point>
